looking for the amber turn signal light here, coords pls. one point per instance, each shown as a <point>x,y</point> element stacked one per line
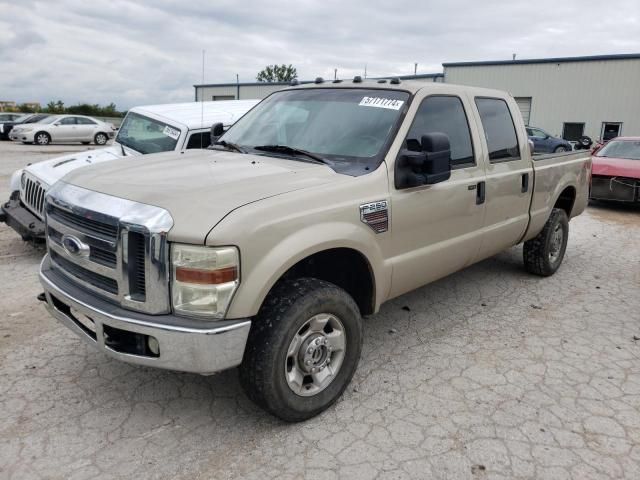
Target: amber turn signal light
<point>206,277</point>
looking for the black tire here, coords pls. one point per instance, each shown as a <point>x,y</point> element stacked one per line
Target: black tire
<point>544,253</point>
<point>42,138</point>
<point>100,138</point>
<point>560,148</point>
<point>284,313</point>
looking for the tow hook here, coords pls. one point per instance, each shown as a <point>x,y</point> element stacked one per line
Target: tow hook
<point>42,297</point>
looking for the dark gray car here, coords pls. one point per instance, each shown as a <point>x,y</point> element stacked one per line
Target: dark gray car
<point>546,143</point>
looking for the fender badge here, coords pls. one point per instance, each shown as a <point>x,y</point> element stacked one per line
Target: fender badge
<point>376,215</point>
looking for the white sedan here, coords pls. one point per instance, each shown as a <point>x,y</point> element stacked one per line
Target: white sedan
<point>64,129</point>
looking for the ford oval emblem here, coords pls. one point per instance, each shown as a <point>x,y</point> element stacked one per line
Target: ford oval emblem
<point>74,246</point>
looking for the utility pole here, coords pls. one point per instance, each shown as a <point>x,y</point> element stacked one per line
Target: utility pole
<point>335,73</point>
<point>237,87</point>
<point>514,57</point>
<point>415,68</point>
<point>365,71</point>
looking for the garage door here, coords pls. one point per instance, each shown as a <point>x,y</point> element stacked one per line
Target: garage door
<point>524,104</point>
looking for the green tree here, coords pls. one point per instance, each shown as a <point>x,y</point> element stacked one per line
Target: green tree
<point>277,73</point>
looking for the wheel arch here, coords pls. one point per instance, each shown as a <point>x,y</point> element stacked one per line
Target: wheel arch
<point>566,199</point>
<point>353,262</point>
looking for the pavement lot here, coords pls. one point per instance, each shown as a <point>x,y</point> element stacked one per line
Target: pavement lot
<point>489,373</point>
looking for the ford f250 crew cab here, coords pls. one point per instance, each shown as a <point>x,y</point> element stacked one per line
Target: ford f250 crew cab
<point>146,129</point>
<point>320,204</point>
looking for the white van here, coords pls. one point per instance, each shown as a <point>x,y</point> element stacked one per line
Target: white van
<point>147,129</point>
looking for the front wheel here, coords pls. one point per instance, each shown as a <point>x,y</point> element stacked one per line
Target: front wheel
<point>303,349</point>
<point>561,149</point>
<point>42,138</point>
<point>544,253</point>
<point>100,139</point>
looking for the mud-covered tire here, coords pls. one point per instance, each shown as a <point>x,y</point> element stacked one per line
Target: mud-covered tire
<point>286,310</point>
<point>544,253</point>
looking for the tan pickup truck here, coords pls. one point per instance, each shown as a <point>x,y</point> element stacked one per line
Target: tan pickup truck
<point>320,204</point>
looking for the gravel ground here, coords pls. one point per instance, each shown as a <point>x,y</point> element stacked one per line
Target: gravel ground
<point>489,373</point>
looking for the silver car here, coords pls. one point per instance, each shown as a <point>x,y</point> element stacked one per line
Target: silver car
<point>64,129</point>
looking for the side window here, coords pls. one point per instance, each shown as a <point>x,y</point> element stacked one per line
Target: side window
<point>199,140</point>
<point>85,121</point>
<point>443,114</point>
<point>499,129</point>
<point>68,121</point>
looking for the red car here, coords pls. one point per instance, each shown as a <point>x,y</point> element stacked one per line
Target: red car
<point>615,171</point>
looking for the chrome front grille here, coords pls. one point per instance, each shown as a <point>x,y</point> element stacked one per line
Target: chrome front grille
<point>33,195</point>
<point>113,247</point>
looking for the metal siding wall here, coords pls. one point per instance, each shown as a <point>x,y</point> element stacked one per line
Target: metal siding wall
<point>585,92</point>
<point>247,92</point>
<point>209,92</point>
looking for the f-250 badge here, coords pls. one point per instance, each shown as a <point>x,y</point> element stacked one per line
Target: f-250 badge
<point>376,215</point>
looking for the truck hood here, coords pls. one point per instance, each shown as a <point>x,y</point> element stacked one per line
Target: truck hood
<point>200,187</point>
<point>50,171</point>
<point>615,167</point>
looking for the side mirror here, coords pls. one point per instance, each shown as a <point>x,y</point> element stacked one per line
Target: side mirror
<point>217,129</point>
<point>431,165</point>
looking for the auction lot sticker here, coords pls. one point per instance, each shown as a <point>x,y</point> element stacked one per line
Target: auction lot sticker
<point>379,102</point>
<point>171,132</point>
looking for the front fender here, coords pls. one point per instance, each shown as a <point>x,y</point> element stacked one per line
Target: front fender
<point>260,270</point>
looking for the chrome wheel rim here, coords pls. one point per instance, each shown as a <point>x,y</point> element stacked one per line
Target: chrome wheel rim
<point>101,140</point>
<point>42,139</point>
<point>555,245</point>
<point>315,355</point>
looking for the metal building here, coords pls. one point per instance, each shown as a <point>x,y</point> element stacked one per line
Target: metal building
<point>597,96</point>
<point>244,91</point>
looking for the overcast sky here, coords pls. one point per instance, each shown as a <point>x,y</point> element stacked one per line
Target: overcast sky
<point>135,53</point>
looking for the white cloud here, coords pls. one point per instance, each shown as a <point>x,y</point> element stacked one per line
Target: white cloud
<point>150,52</point>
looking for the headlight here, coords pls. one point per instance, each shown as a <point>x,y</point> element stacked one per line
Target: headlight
<point>1,128</point>
<point>23,179</point>
<point>204,279</point>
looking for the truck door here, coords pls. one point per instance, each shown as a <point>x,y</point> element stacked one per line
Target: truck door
<point>436,228</point>
<point>509,175</point>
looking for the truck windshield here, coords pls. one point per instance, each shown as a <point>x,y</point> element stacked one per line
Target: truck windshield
<point>629,149</point>
<point>146,135</point>
<point>348,128</point>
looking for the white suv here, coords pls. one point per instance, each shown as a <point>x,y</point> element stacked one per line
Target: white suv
<point>145,130</point>
<point>64,129</point>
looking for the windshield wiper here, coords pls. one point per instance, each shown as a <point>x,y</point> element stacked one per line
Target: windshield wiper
<point>291,150</point>
<point>230,145</point>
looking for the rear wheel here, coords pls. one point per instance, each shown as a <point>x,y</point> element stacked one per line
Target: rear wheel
<point>303,349</point>
<point>544,253</point>
<point>560,149</point>
<point>42,138</point>
<point>100,138</point>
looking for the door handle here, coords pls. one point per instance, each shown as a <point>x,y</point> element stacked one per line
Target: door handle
<point>480,193</point>
<point>525,183</point>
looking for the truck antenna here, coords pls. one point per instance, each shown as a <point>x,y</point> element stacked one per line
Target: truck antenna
<point>202,102</point>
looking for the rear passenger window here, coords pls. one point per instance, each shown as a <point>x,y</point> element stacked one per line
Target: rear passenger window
<point>199,140</point>
<point>68,121</point>
<point>444,114</point>
<point>85,121</point>
<point>499,129</point>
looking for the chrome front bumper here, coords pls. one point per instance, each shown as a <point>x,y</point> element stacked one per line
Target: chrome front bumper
<point>182,344</point>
